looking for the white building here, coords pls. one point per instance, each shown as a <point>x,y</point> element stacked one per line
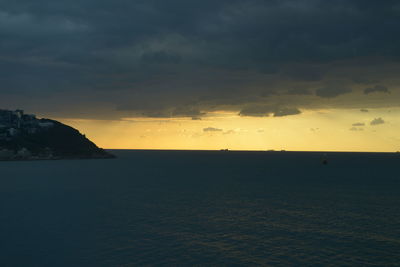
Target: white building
<point>13,131</point>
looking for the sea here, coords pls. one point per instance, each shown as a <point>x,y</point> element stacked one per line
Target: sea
<point>202,208</point>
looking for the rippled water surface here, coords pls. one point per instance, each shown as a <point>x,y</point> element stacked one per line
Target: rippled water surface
<point>202,208</point>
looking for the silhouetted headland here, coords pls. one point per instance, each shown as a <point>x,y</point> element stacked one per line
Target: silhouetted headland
<point>25,137</point>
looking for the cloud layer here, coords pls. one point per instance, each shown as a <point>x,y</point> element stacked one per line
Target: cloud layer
<point>376,88</point>
<point>212,129</point>
<point>377,121</point>
<point>96,58</point>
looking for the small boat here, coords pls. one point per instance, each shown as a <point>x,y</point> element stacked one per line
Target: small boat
<point>325,159</point>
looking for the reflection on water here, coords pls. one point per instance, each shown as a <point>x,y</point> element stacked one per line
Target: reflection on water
<point>202,208</point>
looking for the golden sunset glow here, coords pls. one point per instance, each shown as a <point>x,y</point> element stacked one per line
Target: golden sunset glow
<point>321,130</point>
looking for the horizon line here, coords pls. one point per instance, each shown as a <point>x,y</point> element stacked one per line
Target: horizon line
<point>241,150</point>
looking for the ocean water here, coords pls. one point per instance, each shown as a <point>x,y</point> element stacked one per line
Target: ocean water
<point>185,208</point>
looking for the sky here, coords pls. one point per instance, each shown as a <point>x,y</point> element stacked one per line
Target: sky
<point>178,74</point>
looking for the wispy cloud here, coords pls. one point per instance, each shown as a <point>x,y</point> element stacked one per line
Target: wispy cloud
<point>212,129</point>
<point>377,121</point>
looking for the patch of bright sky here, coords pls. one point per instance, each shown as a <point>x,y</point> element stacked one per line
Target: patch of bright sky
<point>318,130</point>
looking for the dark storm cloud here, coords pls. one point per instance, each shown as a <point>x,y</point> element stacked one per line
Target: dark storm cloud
<point>364,80</point>
<point>376,88</point>
<point>299,91</point>
<point>187,112</point>
<point>179,112</point>
<point>286,112</point>
<point>256,111</point>
<point>153,57</point>
<point>265,111</point>
<point>302,73</point>
<point>332,91</point>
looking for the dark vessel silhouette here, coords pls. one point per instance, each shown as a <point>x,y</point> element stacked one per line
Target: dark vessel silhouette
<point>325,159</point>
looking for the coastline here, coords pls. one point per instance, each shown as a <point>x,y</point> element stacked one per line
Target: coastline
<point>43,158</point>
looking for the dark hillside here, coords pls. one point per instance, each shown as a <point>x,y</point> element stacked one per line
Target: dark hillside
<point>45,139</point>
